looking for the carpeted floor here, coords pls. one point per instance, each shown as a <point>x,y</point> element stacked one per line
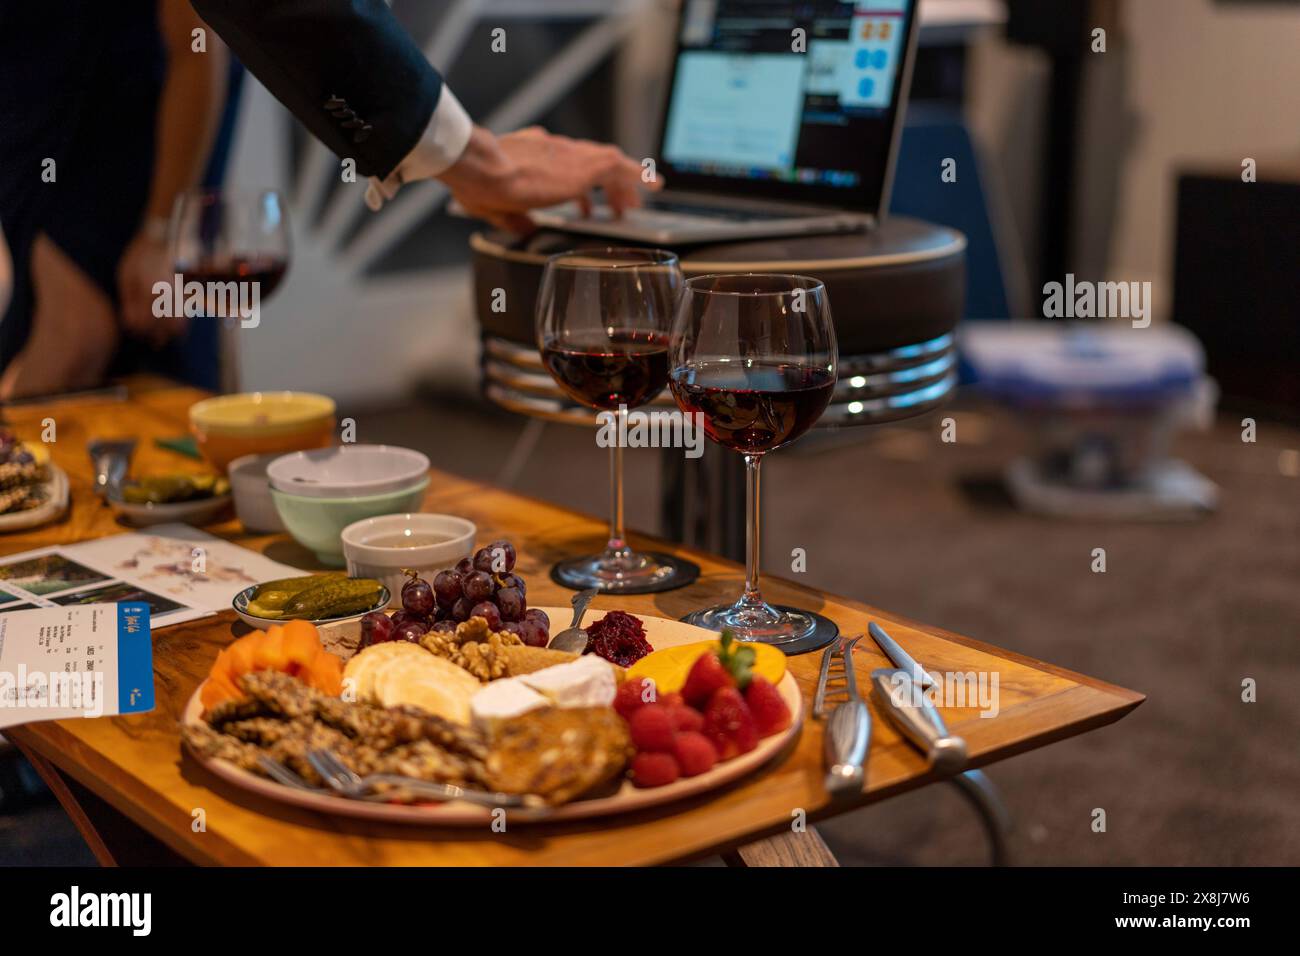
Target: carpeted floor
<point>1183,613</point>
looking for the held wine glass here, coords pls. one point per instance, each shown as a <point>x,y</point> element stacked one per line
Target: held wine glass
<point>754,357</point>
<point>603,317</point>
<point>223,236</point>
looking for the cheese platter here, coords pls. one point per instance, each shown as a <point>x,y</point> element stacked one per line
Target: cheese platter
<point>657,711</point>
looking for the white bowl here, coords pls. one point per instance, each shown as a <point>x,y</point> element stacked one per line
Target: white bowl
<point>373,547</point>
<point>252,491</point>
<point>347,471</point>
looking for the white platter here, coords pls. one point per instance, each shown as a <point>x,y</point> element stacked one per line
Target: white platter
<point>56,502</point>
<point>661,632</point>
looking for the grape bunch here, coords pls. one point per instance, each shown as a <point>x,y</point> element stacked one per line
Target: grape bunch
<point>482,586</point>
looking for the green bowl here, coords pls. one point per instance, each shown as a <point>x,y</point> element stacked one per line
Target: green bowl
<point>318,523</point>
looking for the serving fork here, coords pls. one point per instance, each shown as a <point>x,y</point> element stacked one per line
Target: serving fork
<point>379,786</point>
<point>848,724</point>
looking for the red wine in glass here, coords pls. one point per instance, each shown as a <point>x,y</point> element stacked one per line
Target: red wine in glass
<point>266,271</point>
<point>605,371</point>
<point>753,358</point>
<point>754,407</point>
<point>603,318</point>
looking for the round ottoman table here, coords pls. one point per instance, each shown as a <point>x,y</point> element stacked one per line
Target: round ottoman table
<point>896,294</point>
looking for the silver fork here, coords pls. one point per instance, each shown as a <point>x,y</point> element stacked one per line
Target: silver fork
<point>283,775</point>
<point>343,780</point>
<point>848,724</point>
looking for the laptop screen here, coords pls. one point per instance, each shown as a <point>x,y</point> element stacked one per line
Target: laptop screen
<point>785,100</point>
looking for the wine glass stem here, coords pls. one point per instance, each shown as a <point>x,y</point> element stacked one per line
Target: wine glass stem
<point>753,545</point>
<point>616,548</point>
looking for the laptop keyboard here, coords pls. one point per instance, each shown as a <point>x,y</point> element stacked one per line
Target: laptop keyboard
<point>679,208</point>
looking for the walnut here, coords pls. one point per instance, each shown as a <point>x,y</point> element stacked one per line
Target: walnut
<point>473,647</point>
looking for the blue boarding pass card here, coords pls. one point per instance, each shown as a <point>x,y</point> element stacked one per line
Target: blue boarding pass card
<point>84,660</point>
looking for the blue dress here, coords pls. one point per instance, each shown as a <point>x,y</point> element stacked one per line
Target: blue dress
<point>80,82</point>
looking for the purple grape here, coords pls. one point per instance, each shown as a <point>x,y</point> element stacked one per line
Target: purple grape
<point>538,615</point>
<point>483,560</point>
<point>411,631</point>
<point>376,628</point>
<point>505,550</point>
<point>514,581</point>
<point>513,627</point>
<point>489,612</point>
<point>405,617</point>
<point>417,597</point>
<point>533,634</point>
<point>445,627</point>
<point>446,588</point>
<point>464,566</point>
<point>511,603</point>
<point>477,586</point>
<point>460,610</point>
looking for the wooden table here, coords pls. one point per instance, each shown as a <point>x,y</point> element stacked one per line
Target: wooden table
<point>134,765</point>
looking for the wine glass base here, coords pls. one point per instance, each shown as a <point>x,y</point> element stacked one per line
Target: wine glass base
<point>648,573</point>
<point>796,632</point>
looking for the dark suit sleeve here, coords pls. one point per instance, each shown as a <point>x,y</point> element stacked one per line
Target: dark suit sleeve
<point>345,68</point>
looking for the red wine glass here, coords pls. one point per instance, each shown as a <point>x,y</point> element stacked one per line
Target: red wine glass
<point>754,357</point>
<point>603,317</point>
<point>231,236</point>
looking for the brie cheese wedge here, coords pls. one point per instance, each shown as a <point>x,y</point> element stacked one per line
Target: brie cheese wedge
<point>587,682</point>
<point>503,699</point>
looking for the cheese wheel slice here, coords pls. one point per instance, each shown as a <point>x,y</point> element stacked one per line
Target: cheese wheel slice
<point>360,670</point>
<point>433,684</point>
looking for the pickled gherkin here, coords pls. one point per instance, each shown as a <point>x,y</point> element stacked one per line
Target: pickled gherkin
<point>271,598</point>
<point>335,598</point>
<point>169,489</point>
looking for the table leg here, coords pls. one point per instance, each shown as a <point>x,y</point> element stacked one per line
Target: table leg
<point>788,849</point>
<point>113,838</point>
<point>979,790</point>
<point>702,501</point>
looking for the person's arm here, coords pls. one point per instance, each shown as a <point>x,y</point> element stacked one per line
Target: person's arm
<point>189,113</point>
<point>356,80</point>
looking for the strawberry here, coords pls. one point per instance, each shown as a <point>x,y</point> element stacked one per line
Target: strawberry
<point>729,725</point>
<point>771,713</point>
<point>728,666</point>
<point>707,675</point>
<point>652,729</point>
<point>632,696</point>
<point>684,718</point>
<point>694,753</point>
<point>654,770</point>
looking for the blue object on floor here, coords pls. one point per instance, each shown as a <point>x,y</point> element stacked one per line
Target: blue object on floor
<point>932,135</point>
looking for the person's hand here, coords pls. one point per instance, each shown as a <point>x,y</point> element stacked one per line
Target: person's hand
<point>499,178</point>
<point>145,261</point>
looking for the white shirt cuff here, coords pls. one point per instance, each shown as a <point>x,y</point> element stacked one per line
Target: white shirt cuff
<point>444,139</point>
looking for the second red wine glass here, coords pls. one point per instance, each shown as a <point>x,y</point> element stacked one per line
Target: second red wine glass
<point>754,357</point>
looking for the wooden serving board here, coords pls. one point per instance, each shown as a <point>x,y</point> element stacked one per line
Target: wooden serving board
<point>660,632</point>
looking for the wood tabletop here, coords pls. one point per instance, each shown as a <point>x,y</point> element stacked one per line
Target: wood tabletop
<point>136,763</point>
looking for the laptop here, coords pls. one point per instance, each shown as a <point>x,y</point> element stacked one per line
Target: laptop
<point>759,139</point>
